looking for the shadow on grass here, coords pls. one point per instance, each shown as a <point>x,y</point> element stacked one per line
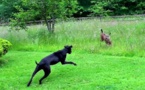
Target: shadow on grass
<point>2,62</point>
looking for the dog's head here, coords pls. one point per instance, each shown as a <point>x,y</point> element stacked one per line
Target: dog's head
<point>68,48</point>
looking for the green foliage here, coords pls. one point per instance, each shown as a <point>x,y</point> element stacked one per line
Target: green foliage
<point>4,46</point>
<point>7,8</point>
<point>42,9</point>
<point>117,7</point>
<point>98,8</point>
<point>37,9</point>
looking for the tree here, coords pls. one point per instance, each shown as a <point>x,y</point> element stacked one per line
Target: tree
<point>97,8</point>
<point>44,9</point>
<point>6,8</point>
<point>117,7</point>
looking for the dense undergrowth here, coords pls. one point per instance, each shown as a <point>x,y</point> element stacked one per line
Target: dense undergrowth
<point>127,37</point>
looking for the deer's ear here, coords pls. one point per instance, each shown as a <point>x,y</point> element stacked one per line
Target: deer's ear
<point>101,30</point>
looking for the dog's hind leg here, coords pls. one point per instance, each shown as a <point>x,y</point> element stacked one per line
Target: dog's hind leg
<point>36,70</point>
<point>47,71</point>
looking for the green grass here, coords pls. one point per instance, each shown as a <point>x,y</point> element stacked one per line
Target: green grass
<point>93,72</point>
<point>100,67</point>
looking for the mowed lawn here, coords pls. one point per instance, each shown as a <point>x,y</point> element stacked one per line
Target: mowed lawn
<point>93,72</point>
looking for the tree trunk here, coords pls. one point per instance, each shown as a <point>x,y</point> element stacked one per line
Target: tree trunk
<point>47,24</point>
<point>50,25</point>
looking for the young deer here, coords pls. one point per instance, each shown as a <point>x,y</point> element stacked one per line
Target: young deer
<point>105,37</point>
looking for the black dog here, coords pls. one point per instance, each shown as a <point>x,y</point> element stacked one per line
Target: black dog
<point>52,59</point>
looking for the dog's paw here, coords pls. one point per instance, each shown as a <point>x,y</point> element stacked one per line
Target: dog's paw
<point>75,64</point>
<point>40,83</point>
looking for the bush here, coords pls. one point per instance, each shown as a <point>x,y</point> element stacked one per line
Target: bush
<point>4,46</point>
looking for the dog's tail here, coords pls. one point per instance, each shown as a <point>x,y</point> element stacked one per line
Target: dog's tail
<point>36,63</point>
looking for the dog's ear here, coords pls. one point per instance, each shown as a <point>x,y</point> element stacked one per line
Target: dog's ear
<point>65,46</point>
<point>71,46</point>
<point>68,46</point>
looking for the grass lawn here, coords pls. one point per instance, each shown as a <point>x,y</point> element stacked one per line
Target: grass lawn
<point>93,72</point>
<point>99,67</point>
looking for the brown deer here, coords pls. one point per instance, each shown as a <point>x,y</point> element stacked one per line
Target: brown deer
<point>105,37</point>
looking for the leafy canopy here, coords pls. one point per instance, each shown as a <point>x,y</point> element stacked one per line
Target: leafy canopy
<point>42,9</point>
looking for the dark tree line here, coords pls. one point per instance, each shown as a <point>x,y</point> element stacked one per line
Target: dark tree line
<point>110,7</point>
<point>85,7</point>
<point>21,11</point>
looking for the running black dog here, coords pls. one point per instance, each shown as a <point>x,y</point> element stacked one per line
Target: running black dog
<point>54,58</point>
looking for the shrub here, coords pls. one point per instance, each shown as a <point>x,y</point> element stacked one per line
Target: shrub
<point>4,46</point>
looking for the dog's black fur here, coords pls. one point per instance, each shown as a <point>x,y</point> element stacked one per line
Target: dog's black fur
<point>54,58</point>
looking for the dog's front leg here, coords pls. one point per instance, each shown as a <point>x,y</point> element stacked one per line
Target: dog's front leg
<point>65,62</point>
